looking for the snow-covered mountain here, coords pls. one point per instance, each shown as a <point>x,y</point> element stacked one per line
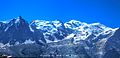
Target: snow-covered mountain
<point>96,39</point>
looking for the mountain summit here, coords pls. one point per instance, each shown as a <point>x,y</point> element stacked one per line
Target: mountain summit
<point>91,40</point>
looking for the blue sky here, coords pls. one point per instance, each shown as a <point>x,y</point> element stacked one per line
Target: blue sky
<point>106,12</point>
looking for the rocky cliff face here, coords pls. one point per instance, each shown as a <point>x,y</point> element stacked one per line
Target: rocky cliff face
<point>55,39</point>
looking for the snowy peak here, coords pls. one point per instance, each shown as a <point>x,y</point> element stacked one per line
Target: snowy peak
<point>81,26</point>
<point>40,24</point>
<point>73,24</point>
<point>17,23</point>
<point>83,30</point>
<point>47,26</point>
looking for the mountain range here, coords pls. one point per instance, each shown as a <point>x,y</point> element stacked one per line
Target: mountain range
<point>55,39</point>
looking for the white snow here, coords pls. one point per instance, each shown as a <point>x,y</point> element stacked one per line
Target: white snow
<point>48,41</point>
<point>57,23</point>
<point>17,20</point>
<point>31,27</point>
<point>41,41</point>
<point>70,36</point>
<point>17,43</point>
<point>6,29</point>
<point>28,41</point>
